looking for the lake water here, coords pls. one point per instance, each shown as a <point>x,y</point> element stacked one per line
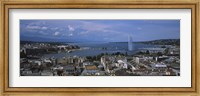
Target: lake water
<point>95,48</point>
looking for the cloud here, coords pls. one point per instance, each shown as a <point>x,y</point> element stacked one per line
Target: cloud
<point>70,28</point>
<point>42,32</point>
<point>84,32</point>
<point>39,23</point>
<point>33,27</point>
<point>56,33</point>
<point>36,27</point>
<point>70,34</point>
<point>55,28</point>
<point>139,28</point>
<point>44,28</point>
<point>90,26</point>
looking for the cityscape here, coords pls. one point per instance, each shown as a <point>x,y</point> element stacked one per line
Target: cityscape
<point>99,48</point>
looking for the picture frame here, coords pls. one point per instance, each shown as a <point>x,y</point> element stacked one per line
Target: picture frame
<point>6,5</point>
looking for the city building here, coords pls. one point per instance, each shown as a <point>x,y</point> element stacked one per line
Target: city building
<point>142,59</point>
<point>153,50</point>
<point>90,70</point>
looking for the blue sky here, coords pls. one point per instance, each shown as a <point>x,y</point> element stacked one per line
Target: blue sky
<point>98,30</point>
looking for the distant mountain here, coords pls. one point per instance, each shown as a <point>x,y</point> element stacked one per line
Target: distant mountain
<point>47,39</point>
<point>28,42</point>
<point>153,42</point>
<point>25,42</point>
<point>163,42</point>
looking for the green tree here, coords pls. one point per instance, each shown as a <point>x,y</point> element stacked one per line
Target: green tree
<point>22,54</point>
<point>166,51</point>
<point>159,54</point>
<point>147,52</point>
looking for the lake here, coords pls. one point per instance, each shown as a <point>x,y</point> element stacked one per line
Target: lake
<point>96,48</point>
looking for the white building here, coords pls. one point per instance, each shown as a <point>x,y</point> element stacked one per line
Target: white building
<point>141,59</point>
<point>153,50</point>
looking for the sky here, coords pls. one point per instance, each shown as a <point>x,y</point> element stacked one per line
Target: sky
<point>98,30</point>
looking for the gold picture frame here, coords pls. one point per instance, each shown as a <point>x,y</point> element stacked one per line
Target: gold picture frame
<point>127,4</point>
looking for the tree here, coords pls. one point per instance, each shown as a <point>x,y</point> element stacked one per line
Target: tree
<point>96,64</point>
<point>106,53</point>
<point>140,53</point>
<point>166,51</point>
<point>118,53</point>
<point>159,54</point>
<point>22,54</point>
<point>126,54</point>
<point>147,52</point>
<point>163,46</point>
<point>89,57</point>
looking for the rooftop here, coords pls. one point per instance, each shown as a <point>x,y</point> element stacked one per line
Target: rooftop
<point>91,67</point>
